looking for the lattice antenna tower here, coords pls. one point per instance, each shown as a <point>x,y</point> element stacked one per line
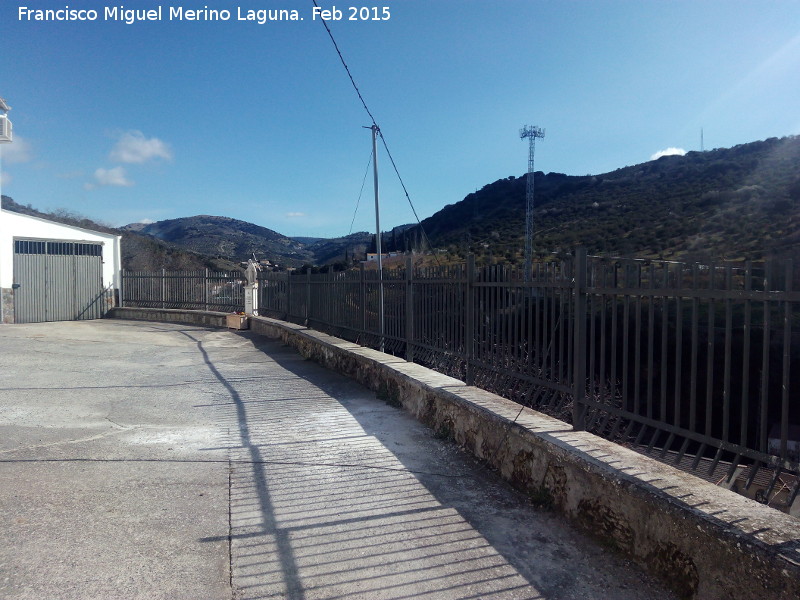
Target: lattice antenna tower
<point>531,132</point>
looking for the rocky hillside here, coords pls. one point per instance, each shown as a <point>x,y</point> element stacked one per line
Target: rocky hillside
<point>734,203</point>
<point>228,238</point>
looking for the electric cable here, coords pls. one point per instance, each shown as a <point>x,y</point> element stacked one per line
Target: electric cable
<point>358,202</point>
<point>405,191</point>
<point>375,124</point>
<point>346,68</point>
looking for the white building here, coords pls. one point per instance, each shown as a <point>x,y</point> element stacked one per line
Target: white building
<point>55,272</point>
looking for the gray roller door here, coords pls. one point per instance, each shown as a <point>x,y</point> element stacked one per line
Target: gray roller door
<point>58,281</point>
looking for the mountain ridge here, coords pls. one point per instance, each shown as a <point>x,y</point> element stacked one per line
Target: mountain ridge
<point>229,238</point>
<point>730,203</point>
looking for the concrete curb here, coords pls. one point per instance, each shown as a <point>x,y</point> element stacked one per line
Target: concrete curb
<point>706,542</point>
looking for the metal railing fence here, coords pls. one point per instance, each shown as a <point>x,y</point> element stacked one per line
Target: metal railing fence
<point>692,363</point>
<point>193,290</point>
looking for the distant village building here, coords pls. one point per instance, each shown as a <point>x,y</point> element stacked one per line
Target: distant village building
<point>373,256</point>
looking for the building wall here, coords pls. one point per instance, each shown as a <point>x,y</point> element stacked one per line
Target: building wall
<point>14,225</point>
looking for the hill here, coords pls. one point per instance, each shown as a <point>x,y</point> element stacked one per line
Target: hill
<point>139,252</point>
<point>736,203</point>
<point>238,240</point>
<point>228,238</point>
<point>730,203</point>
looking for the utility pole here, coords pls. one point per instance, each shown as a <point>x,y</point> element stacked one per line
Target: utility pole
<point>375,130</point>
<point>531,132</point>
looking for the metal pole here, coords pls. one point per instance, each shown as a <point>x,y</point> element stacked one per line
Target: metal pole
<point>409,308</point>
<point>206,285</point>
<point>308,295</point>
<point>288,307</point>
<point>375,130</point>
<point>579,343</point>
<point>469,321</point>
<point>363,299</point>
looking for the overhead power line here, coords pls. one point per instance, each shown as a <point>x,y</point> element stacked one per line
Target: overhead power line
<point>363,183</point>
<point>375,124</point>
<point>346,68</point>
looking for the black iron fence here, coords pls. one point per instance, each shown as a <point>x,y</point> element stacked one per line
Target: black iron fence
<point>692,363</point>
<point>195,290</point>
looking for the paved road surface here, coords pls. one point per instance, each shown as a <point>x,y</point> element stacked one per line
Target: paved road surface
<point>149,460</point>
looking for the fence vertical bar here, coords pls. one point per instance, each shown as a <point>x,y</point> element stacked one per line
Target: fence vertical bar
<point>764,398</point>
<point>651,334</point>
<point>308,295</point>
<point>676,419</point>
<point>409,308</point>
<point>787,344</point>
<point>205,289</point>
<point>163,288</point>
<point>695,351</point>
<point>578,347</point>
<point>711,344</point>
<point>726,377</point>
<point>469,321</point>
<point>288,295</point>
<point>363,299</point>
<point>748,286</point>
<point>664,345</point>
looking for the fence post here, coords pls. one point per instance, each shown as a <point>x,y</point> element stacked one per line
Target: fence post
<point>469,322</point>
<point>579,342</point>
<point>288,296</point>
<point>205,288</point>
<point>163,288</point>
<point>409,308</point>
<point>363,286</point>
<point>787,345</point>
<point>308,295</point>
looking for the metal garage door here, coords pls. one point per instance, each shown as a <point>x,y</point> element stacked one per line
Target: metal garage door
<point>58,281</point>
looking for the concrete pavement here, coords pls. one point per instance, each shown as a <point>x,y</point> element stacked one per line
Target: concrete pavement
<point>151,460</point>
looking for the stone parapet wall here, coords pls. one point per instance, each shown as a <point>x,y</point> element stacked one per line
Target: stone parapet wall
<point>208,318</point>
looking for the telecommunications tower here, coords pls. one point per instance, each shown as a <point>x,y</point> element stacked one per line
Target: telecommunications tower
<point>531,132</point>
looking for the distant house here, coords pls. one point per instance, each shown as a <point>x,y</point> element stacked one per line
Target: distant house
<point>373,256</point>
<point>55,272</point>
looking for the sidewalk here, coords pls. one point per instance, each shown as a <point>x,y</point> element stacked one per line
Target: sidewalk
<point>150,460</point>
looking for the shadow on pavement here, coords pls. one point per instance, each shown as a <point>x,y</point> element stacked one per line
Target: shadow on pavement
<point>334,494</point>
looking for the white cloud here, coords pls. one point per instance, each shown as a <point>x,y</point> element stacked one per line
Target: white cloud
<point>18,151</point>
<point>4,178</point>
<point>114,176</point>
<point>145,221</point>
<point>133,147</point>
<point>668,152</point>
<point>294,215</point>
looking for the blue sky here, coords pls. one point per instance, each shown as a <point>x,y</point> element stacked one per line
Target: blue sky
<point>157,120</point>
